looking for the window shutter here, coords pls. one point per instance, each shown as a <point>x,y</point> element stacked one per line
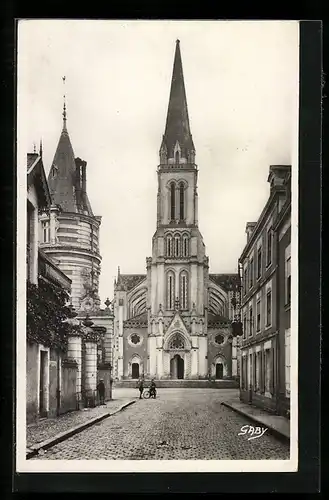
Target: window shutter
<point>272,381</point>
<point>254,370</point>
<point>245,373</point>
<point>262,374</point>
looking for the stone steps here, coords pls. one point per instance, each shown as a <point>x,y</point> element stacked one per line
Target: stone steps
<point>191,384</point>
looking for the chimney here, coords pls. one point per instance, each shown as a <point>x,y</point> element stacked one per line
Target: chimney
<point>84,178</point>
<point>250,226</point>
<point>80,181</point>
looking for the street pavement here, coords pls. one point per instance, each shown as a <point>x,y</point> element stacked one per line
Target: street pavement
<point>181,424</point>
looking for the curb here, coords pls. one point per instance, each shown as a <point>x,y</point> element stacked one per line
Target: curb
<point>257,420</point>
<point>45,445</point>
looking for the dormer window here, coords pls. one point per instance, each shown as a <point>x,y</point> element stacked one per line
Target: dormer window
<point>177,157</point>
<point>54,171</point>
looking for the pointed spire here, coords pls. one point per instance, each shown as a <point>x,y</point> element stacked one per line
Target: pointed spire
<point>34,148</point>
<point>65,176</point>
<point>41,149</point>
<point>177,124</point>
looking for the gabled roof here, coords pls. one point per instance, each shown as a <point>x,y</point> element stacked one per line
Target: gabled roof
<point>177,124</point>
<point>36,176</point>
<point>31,160</point>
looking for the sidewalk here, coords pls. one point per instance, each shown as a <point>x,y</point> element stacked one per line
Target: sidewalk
<point>276,424</point>
<point>49,431</point>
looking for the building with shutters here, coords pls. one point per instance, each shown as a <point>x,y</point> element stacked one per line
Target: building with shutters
<point>174,321</point>
<point>282,230</point>
<point>265,311</point>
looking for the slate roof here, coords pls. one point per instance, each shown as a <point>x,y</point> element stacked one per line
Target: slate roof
<point>226,281</point>
<point>31,158</point>
<point>62,184</point>
<point>177,123</point>
<point>36,176</point>
<point>139,318</point>
<point>129,281</point>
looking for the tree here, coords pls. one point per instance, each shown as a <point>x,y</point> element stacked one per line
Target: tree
<point>47,311</point>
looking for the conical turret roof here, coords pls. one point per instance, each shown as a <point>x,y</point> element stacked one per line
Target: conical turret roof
<point>62,177</point>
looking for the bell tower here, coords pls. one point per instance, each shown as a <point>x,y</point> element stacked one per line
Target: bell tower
<point>177,272</point>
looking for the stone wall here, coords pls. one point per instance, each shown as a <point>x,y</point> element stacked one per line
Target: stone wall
<point>130,350</point>
<point>76,248</point>
<point>68,391</point>
<point>54,381</point>
<point>32,356</point>
<point>216,351</point>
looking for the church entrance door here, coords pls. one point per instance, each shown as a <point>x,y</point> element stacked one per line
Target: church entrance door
<point>219,370</point>
<point>177,367</point>
<point>135,370</point>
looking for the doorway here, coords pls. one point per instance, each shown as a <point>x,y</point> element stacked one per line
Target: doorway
<point>43,384</point>
<point>219,370</point>
<point>177,367</point>
<point>135,370</point>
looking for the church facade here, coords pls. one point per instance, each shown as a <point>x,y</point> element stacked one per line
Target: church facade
<point>174,321</point>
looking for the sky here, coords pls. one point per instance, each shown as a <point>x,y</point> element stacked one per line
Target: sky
<point>241,81</point>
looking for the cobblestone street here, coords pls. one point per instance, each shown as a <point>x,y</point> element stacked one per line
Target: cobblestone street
<point>181,424</point>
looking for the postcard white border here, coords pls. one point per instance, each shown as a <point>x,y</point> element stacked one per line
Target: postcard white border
<point>106,466</point>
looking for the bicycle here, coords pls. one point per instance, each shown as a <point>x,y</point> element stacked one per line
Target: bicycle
<point>147,394</point>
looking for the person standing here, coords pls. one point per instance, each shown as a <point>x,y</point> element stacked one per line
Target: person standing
<point>153,391</point>
<point>141,387</point>
<point>101,391</point>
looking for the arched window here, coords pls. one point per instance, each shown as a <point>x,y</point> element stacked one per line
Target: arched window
<point>169,246</point>
<point>181,201</point>
<point>45,232</point>
<point>177,246</point>
<point>177,157</point>
<point>172,201</point>
<point>177,342</point>
<point>185,246</point>
<point>183,290</point>
<point>170,290</point>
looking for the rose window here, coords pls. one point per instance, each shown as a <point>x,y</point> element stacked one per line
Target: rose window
<point>177,342</point>
<point>219,339</point>
<point>135,339</point>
